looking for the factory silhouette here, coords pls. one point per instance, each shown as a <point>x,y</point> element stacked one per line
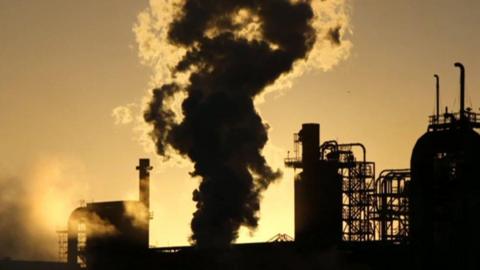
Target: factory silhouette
<point>423,217</point>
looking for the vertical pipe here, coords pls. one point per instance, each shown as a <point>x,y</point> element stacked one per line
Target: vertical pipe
<point>144,175</point>
<point>462,89</point>
<point>437,96</point>
<point>144,190</point>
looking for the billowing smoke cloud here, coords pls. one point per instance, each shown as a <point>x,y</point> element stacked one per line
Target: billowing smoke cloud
<point>230,52</point>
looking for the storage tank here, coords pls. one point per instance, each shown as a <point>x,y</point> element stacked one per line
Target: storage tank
<point>445,191</point>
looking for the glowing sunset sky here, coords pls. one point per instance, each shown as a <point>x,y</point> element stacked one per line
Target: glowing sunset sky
<point>66,65</point>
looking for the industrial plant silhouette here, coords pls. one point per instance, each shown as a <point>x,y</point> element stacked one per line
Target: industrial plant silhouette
<point>424,217</point>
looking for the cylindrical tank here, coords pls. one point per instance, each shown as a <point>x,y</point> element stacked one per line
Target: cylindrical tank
<point>318,195</point>
<point>445,199</point>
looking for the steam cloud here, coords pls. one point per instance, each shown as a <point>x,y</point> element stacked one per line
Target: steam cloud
<point>34,201</point>
<point>16,237</point>
<point>228,52</point>
<point>138,214</point>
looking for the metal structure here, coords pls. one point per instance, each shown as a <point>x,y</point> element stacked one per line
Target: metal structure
<point>317,191</point>
<point>81,244</point>
<point>390,206</point>
<point>99,232</point>
<point>357,185</point>
<point>62,245</point>
<point>281,237</point>
<point>444,191</point>
<point>374,210</point>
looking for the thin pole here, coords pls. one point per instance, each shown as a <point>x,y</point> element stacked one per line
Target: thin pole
<point>437,95</point>
<point>462,89</point>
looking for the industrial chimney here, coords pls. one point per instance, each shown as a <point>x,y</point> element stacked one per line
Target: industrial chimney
<point>144,169</point>
<point>318,194</point>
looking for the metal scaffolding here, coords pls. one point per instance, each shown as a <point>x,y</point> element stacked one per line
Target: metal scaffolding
<point>357,184</point>
<point>391,209</point>
<point>62,245</point>
<point>295,161</point>
<point>372,209</point>
<point>81,244</point>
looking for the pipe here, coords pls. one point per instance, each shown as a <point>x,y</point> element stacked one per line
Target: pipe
<point>144,169</point>
<point>437,96</point>
<point>328,145</point>
<point>364,150</point>
<point>462,89</point>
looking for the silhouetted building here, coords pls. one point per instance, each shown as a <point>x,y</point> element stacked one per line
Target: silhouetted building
<point>111,234</point>
<point>318,193</point>
<point>337,198</point>
<point>345,218</point>
<point>445,191</point>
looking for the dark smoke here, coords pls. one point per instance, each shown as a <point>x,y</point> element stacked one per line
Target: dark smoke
<point>222,132</point>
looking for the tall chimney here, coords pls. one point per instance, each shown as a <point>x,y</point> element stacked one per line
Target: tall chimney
<point>437,96</point>
<point>144,169</point>
<point>462,89</point>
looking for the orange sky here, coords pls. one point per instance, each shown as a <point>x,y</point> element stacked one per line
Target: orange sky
<point>65,65</point>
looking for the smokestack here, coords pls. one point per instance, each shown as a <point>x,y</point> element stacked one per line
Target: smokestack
<point>462,89</point>
<point>144,169</point>
<point>437,96</point>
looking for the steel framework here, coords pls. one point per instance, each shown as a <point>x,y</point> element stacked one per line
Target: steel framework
<point>372,209</point>
<point>391,209</point>
<point>62,245</point>
<point>357,184</point>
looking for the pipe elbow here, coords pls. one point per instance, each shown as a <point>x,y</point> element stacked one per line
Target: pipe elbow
<point>459,65</point>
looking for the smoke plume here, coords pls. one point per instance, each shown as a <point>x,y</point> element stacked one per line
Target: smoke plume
<point>16,237</point>
<point>35,201</point>
<point>230,51</point>
<point>137,213</point>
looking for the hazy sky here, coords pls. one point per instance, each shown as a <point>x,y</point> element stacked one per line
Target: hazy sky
<point>65,65</point>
